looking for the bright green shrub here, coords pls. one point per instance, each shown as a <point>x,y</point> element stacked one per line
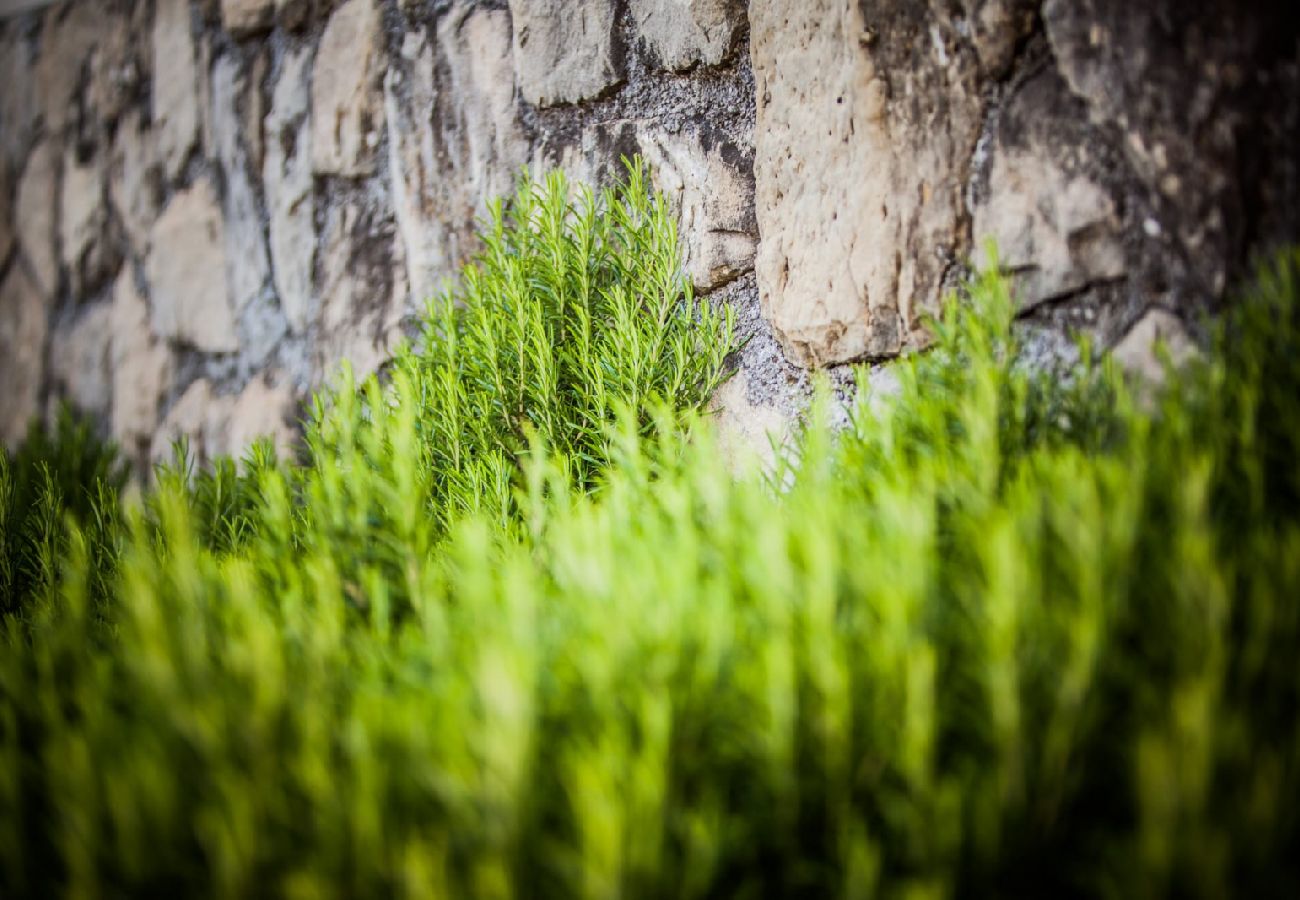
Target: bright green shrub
<point>1003,635</point>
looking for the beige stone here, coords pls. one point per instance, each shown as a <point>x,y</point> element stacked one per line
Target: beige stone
<point>83,222</point>
<point>141,366</point>
<point>1054,232</point>
<point>565,50</point>
<point>712,200</point>
<point>175,84</point>
<point>133,187</point>
<point>187,272</point>
<point>197,418</point>
<point>685,33</point>
<point>454,138</point>
<point>254,109</point>
<point>34,215</point>
<point>23,328</point>
<point>346,96</point>
<point>68,37</point>
<point>265,409</point>
<point>287,181</point>
<point>1158,334</point>
<point>749,433</point>
<point>79,360</point>
<point>247,265</point>
<point>863,139</point>
<point>244,17</point>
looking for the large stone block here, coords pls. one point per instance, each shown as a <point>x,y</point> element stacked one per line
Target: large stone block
<point>685,33</point>
<point>187,272</point>
<point>565,50</point>
<point>709,184</point>
<point>24,325</point>
<point>454,139</point>
<point>287,181</point>
<point>175,84</point>
<point>867,116</point>
<point>346,94</point>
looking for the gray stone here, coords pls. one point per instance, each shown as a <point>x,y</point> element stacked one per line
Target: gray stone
<point>35,216</point>
<point>141,367</point>
<point>685,33</point>
<point>79,360</point>
<point>454,138</point>
<point>6,216</point>
<point>287,180</point>
<point>245,17</point>
<point>175,84</point>
<point>17,98</point>
<point>187,272</point>
<point>1056,229</point>
<point>23,329</point>
<point>362,292</point>
<point>1158,336</point>
<point>565,50</point>
<point>247,266</point>
<point>346,95</point>
<point>1202,98</point>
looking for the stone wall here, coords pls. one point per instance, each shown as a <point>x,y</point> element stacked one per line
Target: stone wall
<point>208,203</point>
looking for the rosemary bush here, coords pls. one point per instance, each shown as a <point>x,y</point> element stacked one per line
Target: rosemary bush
<point>513,630</point>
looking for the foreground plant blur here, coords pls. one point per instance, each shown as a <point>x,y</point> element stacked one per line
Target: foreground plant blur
<point>514,630</point>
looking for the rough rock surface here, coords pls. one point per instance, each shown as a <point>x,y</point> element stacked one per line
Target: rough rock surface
<point>287,180</point>
<point>243,17</point>
<point>85,239</point>
<point>347,106</point>
<point>187,272</point>
<point>685,33</point>
<point>1056,229</point>
<point>23,328</point>
<point>17,98</point>
<point>175,84</point>
<point>35,214</point>
<point>833,165</point>
<point>708,182</point>
<point>867,119</point>
<point>79,360</point>
<point>565,50</point>
<point>454,139</point>
<point>133,183</point>
<point>247,265</point>
<point>141,366</point>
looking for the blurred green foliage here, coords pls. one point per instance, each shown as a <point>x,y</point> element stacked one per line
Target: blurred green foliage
<point>513,628</point>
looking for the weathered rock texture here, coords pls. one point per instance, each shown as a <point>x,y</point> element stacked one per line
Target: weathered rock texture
<point>206,204</point>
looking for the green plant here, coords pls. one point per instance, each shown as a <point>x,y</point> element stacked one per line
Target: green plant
<point>1003,635</point>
